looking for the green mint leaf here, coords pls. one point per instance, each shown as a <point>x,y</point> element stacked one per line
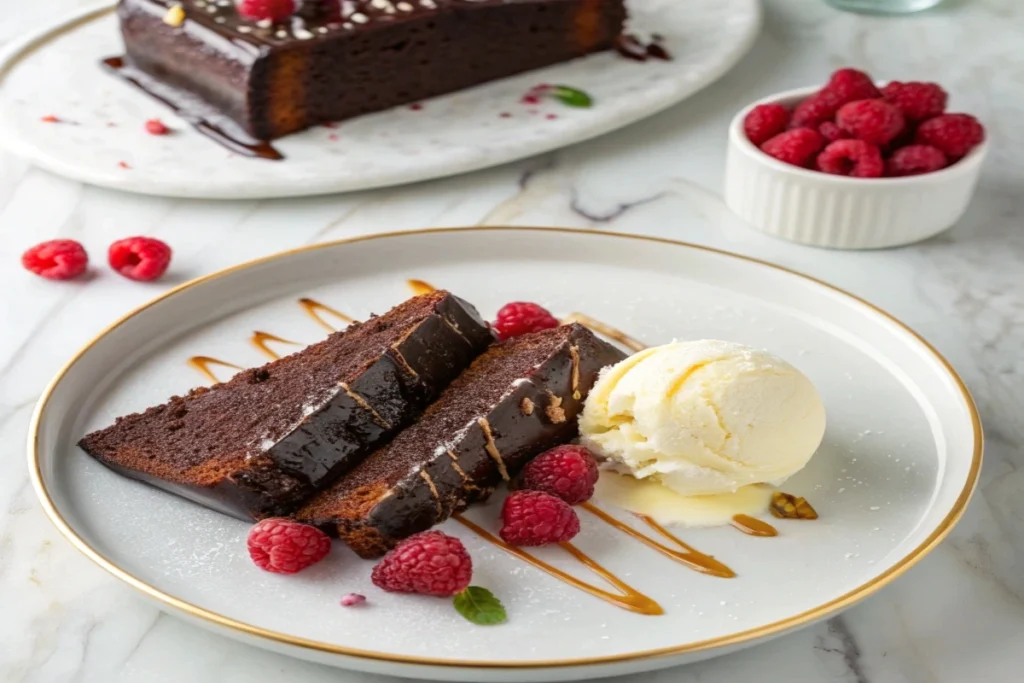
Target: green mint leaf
<point>571,96</point>
<point>479,606</point>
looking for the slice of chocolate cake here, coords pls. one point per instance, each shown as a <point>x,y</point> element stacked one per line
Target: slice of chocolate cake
<point>518,399</point>
<point>336,59</point>
<point>262,443</point>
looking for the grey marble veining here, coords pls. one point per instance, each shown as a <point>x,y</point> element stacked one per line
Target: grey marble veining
<point>956,617</point>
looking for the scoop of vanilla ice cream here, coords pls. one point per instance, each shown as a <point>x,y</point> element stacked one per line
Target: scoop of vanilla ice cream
<point>704,417</point>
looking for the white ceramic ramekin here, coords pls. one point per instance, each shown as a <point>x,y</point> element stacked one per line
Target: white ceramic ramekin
<point>836,211</point>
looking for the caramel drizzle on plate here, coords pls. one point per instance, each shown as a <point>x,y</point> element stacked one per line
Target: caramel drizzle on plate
<point>419,287</point>
<point>627,597</point>
<point>203,363</point>
<point>607,330</point>
<point>686,555</point>
<point>752,526</point>
<point>260,339</point>
<point>315,310</point>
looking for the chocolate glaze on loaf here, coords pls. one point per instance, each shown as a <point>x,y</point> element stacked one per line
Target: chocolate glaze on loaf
<point>262,443</point>
<point>336,60</point>
<point>518,399</point>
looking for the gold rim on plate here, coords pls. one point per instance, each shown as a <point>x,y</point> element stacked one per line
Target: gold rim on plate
<point>765,631</point>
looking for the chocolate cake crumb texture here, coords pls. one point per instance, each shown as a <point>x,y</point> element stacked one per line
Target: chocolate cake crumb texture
<point>261,443</point>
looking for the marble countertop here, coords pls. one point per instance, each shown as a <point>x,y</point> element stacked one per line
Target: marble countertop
<point>958,616</point>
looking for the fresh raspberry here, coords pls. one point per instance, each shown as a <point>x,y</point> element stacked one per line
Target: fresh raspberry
<point>796,147</point>
<point>534,518</point>
<point>915,160</point>
<point>566,472</point>
<point>274,10</point>
<point>831,132</point>
<point>140,258</point>
<point>917,101</point>
<point>764,122</point>
<point>874,121</point>
<point>850,85</point>
<point>906,137</point>
<point>854,158</point>
<point>430,563</point>
<point>56,259</point>
<point>285,547</point>
<point>521,317</point>
<point>954,134</point>
<point>156,127</point>
<point>815,110</point>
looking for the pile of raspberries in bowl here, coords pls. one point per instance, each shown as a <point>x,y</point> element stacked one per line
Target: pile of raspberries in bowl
<point>853,164</point>
<point>851,127</point>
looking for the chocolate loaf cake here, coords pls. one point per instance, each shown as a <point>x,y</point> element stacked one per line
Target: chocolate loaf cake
<point>518,399</point>
<point>262,443</point>
<point>334,59</point>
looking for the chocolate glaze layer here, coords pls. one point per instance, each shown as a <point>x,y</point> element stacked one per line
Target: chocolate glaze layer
<point>208,446</point>
<point>385,396</point>
<point>449,471</point>
<point>347,59</point>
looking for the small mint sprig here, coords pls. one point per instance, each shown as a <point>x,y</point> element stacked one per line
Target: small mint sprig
<point>571,97</point>
<point>480,606</point>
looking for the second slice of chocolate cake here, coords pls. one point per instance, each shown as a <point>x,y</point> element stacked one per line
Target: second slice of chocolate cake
<point>518,399</point>
<point>262,443</point>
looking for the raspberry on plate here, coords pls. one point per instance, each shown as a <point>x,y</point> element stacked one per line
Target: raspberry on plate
<point>849,85</point>
<point>567,472</point>
<point>429,563</point>
<point>764,122</point>
<point>796,147</point>
<point>274,10</point>
<point>157,127</point>
<point>522,317</point>
<point>874,121</point>
<point>285,547</point>
<point>56,259</point>
<point>533,518</point>
<point>815,110</point>
<point>831,132</point>
<point>915,160</point>
<point>854,158</point>
<point>918,101</point>
<point>954,134</point>
<point>139,258</point>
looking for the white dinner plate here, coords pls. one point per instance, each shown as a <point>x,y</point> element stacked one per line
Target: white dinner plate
<point>897,466</point>
<point>461,132</point>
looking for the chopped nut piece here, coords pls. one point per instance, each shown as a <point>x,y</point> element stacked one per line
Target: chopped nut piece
<point>554,411</point>
<point>526,405</point>
<point>175,16</point>
<point>788,506</point>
